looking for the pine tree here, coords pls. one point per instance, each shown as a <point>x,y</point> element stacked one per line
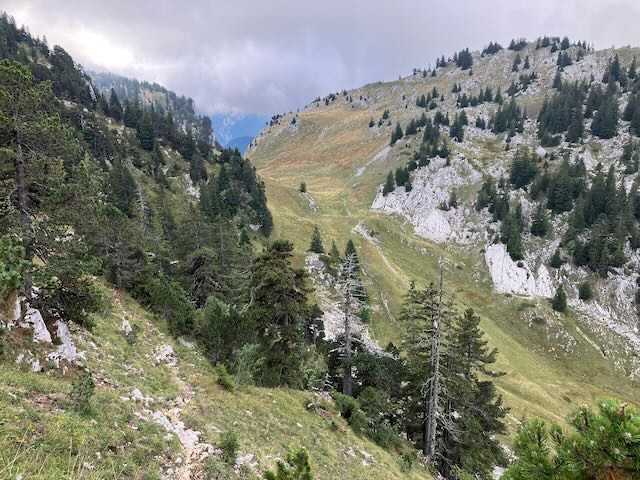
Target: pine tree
<point>389,185</point>
<point>279,311</point>
<point>316,241</point>
<point>352,297</point>
<point>397,134</point>
<point>334,253</point>
<point>540,222</point>
<point>585,293</point>
<point>115,109</point>
<point>585,452</point>
<point>296,467</point>
<point>146,134</point>
<point>559,302</point>
<point>576,128</point>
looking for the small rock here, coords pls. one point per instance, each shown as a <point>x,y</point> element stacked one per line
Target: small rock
<point>246,458</point>
<point>165,354</point>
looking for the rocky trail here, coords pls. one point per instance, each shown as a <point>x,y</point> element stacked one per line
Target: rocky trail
<point>195,449</point>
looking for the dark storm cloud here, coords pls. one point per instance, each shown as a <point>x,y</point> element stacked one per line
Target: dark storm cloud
<point>265,57</point>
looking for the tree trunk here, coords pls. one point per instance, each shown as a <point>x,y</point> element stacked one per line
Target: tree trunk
<point>347,380</point>
<point>25,220</point>
<point>433,390</point>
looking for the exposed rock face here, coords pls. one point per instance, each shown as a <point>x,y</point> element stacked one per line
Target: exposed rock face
<point>516,277</point>
<point>67,349</point>
<point>426,206</point>
<point>33,319</point>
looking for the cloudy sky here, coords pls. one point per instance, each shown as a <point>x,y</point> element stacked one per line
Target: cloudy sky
<point>266,57</point>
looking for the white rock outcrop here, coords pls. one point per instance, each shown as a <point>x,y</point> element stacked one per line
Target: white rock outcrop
<point>67,349</point>
<point>165,354</point>
<point>509,277</point>
<point>425,206</point>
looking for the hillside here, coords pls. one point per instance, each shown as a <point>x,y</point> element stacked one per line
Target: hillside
<point>138,337</point>
<point>148,94</point>
<point>158,321</point>
<point>159,413</point>
<point>340,147</point>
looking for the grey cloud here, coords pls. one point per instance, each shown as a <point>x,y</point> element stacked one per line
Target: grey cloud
<point>246,56</point>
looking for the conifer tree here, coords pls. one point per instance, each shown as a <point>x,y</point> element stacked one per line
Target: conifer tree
<point>585,293</point>
<point>559,302</point>
<point>389,185</point>
<point>397,134</point>
<point>280,311</point>
<point>115,108</point>
<point>146,134</point>
<point>316,241</point>
<point>540,222</point>
<point>597,446</point>
<point>511,237</point>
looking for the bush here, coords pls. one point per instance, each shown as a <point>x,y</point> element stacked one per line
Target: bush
<point>229,445</point>
<point>169,300</point>
<point>365,315</point>
<point>225,380</point>
<point>296,467</point>
<point>215,469</point>
<point>346,405</point>
<point>248,364</point>
<point>82,390</point>
<point>585,292</point>
<point>132,335</point>
<point>408,458</point>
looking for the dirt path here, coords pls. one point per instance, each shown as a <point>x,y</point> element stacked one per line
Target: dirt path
<point>194,451</point>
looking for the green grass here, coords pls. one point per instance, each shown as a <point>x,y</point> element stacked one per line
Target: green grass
<point>41,437</point>
<point>332,143</point>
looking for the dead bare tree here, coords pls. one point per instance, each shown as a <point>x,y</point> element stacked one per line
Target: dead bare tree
<point>351,293</point>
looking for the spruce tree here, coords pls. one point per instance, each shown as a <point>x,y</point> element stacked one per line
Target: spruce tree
<point>389,185</point>
<point>540,222</point>
<point>279,311</point>
<point>556,259</point>
<point>397,134</point>
<point>146,134</point>
<point>585,293</point>
<point>316,241</point>
<point>115,109</point>
<point>559,302</point>
<point>334,253</point>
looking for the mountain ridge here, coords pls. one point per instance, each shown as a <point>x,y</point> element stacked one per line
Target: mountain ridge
<point>339,146</point>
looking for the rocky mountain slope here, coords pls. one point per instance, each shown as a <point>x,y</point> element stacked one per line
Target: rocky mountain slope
<point>158,411</point>
<point>340,147</point>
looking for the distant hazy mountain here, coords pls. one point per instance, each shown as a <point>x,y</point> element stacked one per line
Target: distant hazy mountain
<point>241,143</point>
<point>231,128</point>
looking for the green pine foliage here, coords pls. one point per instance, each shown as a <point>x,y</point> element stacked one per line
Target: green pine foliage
<point>397,134</point>
<point>296,467</point>
<point>464,59</point>
<point>523,169</point>
<point>540,222</point>
<point>280,312</point>
<point>559,301</point>
<point>316,241</point>
<point>584,292</point>
<point>389,185</point>
<point>600,444</point>
<point>466,360</point>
